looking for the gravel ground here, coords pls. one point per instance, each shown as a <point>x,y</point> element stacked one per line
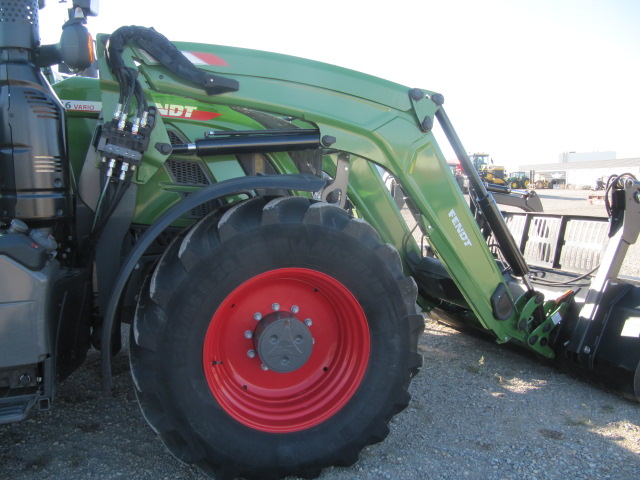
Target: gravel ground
<point>479,411</point>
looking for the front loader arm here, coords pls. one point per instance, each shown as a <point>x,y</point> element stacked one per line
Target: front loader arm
<point>377,124</point>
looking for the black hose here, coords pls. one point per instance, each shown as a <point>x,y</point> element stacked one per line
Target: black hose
<point>613,180</point>
<point>90,243</point>
<point>167,55</point>
<point>542,281</point>
<point>129,88</point>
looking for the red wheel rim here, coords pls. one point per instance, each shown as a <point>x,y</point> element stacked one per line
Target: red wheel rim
<point>287,402</point>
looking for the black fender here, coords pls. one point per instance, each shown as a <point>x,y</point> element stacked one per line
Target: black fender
<point>300,182</point>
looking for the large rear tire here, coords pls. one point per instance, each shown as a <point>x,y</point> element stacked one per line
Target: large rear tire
<point>276,339</point>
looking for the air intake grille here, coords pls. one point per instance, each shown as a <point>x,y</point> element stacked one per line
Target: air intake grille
<point>192,174</point>
<point>41,106</point>
<point>187,173</point>
<point>203,209</point>
<point>174,138</point>
<point>47,164</point>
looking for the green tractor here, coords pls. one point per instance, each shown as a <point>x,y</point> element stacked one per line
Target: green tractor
<point>231,206</point>
<point>518,180</point>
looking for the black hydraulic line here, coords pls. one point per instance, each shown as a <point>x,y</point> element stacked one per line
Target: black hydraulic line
<point>168,55</point>
<point>253,142</point>
<point>121,77</point>
<point>485,200</point>
<point>141,100</point>
<point>88,249</point>
<point>131,77</point>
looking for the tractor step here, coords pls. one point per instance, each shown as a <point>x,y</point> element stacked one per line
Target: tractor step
<point>20,390</point>
<point>15,409</point>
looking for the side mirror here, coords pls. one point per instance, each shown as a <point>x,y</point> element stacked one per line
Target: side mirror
<point>76,46</point>
<point>76,49</point>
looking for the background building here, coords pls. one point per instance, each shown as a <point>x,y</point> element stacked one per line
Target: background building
<point>574,157</point>
<point>582,170</point>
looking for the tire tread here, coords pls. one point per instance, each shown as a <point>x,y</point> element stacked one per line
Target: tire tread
<point>152,319</point>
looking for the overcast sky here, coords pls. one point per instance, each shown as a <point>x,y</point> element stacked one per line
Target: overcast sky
<point>523,80</point>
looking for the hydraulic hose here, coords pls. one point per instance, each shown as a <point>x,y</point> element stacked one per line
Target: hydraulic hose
<point>485,201</point>
<point>168,55</point>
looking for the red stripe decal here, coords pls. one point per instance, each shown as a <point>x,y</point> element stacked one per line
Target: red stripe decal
<point>204,116</point>
<point>210,59</point>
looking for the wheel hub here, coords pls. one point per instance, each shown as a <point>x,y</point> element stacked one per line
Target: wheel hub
<point>282,342</point>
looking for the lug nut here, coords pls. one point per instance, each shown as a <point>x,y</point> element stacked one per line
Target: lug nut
<point>308,322</point>
<point>251,353</point>
<point>295,309</point>
<point>248,334</point>
<point>275,307</point>
<point>264,367</point>
<point>257,316</point>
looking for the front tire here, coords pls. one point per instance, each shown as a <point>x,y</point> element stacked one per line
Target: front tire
<point>276,339</point>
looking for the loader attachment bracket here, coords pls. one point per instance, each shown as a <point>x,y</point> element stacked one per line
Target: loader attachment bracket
<point>538,319</point>
<point>625,226</point>
<point>336,192</point>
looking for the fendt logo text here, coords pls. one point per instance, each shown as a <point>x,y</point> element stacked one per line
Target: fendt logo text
<point>175,110</point>
<point>185,111</point>
<point>459,228</point>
